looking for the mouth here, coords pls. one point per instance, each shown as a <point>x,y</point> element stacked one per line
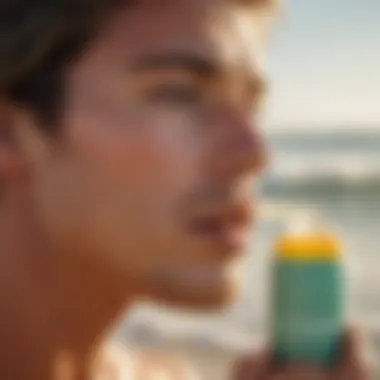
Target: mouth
<point>227,227</point>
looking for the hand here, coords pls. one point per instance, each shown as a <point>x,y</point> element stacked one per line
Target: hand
<point>261,368</point>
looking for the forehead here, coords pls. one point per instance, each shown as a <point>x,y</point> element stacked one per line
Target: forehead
<point>212,29</point>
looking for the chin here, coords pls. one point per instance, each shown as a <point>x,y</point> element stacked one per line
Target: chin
<point>208,299</point>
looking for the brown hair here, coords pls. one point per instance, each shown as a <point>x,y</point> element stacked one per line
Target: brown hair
<point>39,37</point>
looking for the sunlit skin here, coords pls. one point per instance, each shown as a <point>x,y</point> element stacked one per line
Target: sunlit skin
<point>145,192</point>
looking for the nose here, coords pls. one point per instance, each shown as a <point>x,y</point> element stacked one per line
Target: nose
<point>239,148</point>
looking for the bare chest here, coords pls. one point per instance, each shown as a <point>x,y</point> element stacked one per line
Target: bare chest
<point>145,365</point>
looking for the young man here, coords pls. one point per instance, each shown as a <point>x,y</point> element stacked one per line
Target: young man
<point>128,147</point>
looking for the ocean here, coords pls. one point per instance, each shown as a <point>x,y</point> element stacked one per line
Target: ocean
<point>337,175</point>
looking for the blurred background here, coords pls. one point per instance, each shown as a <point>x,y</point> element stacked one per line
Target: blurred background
<point>323,126</point>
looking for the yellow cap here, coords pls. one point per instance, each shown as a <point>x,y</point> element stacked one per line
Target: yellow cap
<point>308,248</point>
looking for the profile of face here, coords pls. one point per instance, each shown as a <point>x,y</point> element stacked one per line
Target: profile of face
<point>150,176</point>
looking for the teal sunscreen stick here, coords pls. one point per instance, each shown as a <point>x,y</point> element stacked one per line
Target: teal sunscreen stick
<point>308,317</point>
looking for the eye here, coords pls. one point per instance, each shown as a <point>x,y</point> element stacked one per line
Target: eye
<point>176,94</point>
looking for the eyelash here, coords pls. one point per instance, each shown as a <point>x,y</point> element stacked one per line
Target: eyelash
<point>191,99</point>
<point>178,94</point>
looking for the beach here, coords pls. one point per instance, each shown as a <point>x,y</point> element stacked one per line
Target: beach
<point>339,179</point>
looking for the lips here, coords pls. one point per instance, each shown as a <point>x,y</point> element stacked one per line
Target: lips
<point>226,226</point>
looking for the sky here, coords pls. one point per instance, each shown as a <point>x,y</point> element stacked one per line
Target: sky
<point>325,65</point>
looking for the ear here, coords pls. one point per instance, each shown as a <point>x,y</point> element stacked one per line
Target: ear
<point>24,147</point>
<point>11,163</point>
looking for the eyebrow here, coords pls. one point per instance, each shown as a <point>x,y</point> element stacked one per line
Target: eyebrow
<point>198,65</point>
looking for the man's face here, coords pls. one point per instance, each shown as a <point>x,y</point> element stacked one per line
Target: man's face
<point>151,176</point>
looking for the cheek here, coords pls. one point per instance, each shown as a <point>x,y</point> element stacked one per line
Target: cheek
<point>154,153</point>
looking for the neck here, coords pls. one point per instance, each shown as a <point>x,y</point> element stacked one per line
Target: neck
<point>57,309</point>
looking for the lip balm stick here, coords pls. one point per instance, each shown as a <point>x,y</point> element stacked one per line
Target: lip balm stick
<point>308,317</point>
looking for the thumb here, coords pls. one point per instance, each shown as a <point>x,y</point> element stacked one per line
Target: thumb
<point>251,367</point>
<point>353,364</point>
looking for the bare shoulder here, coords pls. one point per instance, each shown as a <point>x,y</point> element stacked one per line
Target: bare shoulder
<point>145,364</point>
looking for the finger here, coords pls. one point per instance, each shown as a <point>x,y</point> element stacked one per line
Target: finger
<point>252,367</point>
<point>352,345</point>
<point>302,373</point>
<point>352,366</point>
